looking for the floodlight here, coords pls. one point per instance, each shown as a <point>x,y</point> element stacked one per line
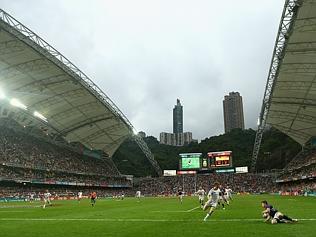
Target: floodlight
<point>40,116</point>
<point>258,122</point>
<point>2,95</point>
<point>15,102</point>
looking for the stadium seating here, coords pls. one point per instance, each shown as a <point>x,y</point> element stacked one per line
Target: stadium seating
<point>33,156</point>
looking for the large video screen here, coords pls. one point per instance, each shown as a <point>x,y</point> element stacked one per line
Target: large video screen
<point>190,161</point>
<point>220,159</point>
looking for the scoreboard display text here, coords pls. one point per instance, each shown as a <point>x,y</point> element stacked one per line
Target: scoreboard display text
<point>220,159</point>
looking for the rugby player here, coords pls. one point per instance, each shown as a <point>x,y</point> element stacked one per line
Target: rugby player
<point>201,194</point>
<point>31,196</point>
<point>222,200</point>
<point>79,196</point>
<point>138,194</point>
<point>180,195</point>
<point>270,213</point>
<point>229,196</point>
<point>46,198</point>
<point>213,197</point>
<point>93,197</point>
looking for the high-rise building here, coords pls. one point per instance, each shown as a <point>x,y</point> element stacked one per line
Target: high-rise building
<point>142,134</point>
<point>233,111</point>
<point>178,118</point>
<point>176,139</point>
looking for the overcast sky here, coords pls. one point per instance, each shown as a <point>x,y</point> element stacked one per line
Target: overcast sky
<point>144,54</point>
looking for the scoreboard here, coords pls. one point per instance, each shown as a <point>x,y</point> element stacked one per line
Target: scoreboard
<point>190,161</point>
<point>213,160</point>
<point>220,159</point>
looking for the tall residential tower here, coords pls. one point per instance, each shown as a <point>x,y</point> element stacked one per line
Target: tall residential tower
<point>178,137</point>
<point>233,111</point>
<point>178,118</point>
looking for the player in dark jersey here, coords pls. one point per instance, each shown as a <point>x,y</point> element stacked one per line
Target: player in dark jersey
<point>271,213</point>
<point>180,195</point>
<point>222,200</point>
<point>93,197</point>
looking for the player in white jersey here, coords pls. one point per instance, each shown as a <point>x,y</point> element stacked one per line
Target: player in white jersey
<point>138,194</point>
<point>213,197</point>
<point>31,197</point>
<point>46,198</point>
<point>79,196</point>
<point>201,194</point>
<point>228,194</point>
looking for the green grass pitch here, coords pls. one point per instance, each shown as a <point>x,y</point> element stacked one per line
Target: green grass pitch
<point>156,217</point>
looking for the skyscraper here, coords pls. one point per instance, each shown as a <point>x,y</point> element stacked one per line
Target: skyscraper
<point>233,111</point>
<point>178,137</point>
<point>178,118</point>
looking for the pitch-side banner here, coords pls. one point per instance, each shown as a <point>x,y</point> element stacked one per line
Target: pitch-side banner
<point>243,169</point>
<point>169,173</point>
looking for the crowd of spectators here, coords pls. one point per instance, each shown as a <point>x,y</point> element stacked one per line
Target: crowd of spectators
<point>24,192</point>
<point>52,177</point>
<point>299,187</point>
<point>299,176</point>
<point>24,156</point>
<point>22,149</point>
<point>239,183</point>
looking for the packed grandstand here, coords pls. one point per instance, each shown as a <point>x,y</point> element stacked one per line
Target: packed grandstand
<point>32,162</point>
<point>40,152</point>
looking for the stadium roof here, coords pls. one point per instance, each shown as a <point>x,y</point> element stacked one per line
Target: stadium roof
<point>293,100</point>
<point>43,80</point>
<point>289,102</point>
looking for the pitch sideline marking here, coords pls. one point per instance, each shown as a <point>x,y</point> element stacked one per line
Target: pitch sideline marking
<point>134,220</point>
<point>190,210</point>
<point>193,209</point>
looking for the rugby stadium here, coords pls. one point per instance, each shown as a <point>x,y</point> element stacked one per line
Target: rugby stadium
<point>60,135</point>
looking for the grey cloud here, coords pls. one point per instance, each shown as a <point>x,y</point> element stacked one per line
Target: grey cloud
<point>145,54</point>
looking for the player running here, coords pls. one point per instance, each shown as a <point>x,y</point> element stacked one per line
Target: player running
<point>180,195</point>
<point>138,194</point>
<point>93,198</point>
<point>46,198</point>
<point>222,200</point>
<point>229,194</point>
<point>201,194</point>
<point>270,213</point>
<point>79,196</point>
<point>31,197</point>
<point>213,197</point>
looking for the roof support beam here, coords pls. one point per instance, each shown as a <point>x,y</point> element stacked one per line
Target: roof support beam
<point>289,14</point>
<point>89,121</point>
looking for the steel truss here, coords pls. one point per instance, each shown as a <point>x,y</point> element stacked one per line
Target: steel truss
<point>143,146</point>
<point>16,28</point>
<point>285,29</point>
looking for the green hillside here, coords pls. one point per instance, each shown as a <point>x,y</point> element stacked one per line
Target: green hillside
<point>277,149</point>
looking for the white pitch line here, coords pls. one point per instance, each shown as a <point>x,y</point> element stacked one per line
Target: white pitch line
<point>193,209</point>
<point>10,211</point>
<point>170,211</point>
<point>135,220</point>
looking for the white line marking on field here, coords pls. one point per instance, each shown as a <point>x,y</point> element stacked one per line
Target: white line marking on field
<point>178,211</point>
<point>193,209</point>
<point>135,220</point>
<point>10,211</point>
<point>170,211</point>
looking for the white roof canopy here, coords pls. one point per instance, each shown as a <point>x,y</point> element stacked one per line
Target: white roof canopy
<point>45,81</point>
<point>293,101</point>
